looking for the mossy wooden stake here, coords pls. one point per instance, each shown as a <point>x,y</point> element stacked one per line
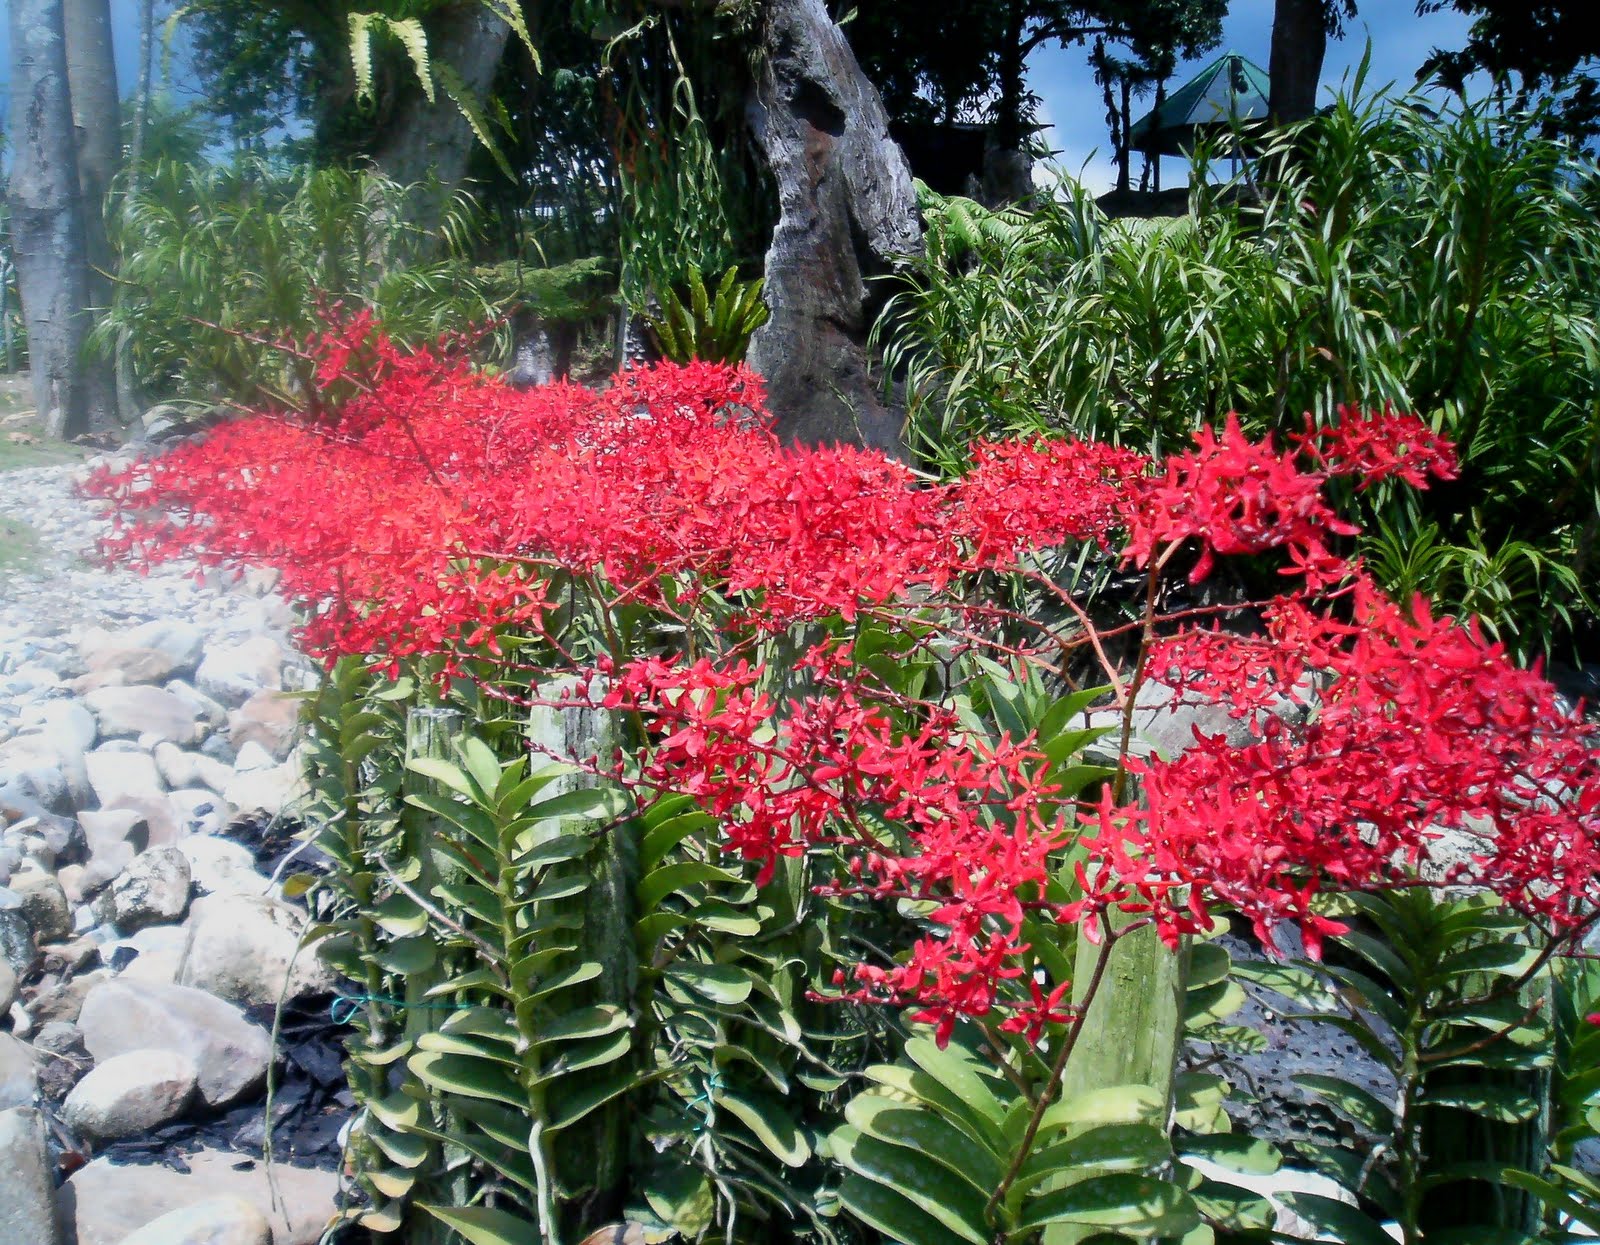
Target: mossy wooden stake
<point>595,1152</point>
<point>430,732</point>
<point>1132,1029</point>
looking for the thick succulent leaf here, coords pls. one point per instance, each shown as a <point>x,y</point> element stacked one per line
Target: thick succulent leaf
<point>480,1225</point>
<point>916,1178</point>
<point>771,1124</point>
<point>471,1077</point>
<point>1363,1108</point>
<point>922,1130</point>
<point>1347,1224</point>
<point>1236,1152</point>
<point>1108,1147</point>
<point>895,1216</point>
<point>1131,1205</point>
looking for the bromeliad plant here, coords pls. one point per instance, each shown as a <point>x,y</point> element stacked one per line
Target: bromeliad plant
<point>760,883</point>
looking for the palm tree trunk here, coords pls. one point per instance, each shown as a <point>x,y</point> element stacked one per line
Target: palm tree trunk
<point>47,216</point>
<point>97,119</point>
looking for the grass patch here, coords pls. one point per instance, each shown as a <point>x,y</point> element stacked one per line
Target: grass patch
<point>22,442</point>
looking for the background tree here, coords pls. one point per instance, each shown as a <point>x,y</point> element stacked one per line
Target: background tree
<point>1300,30</point>
<point>965,60</point>
<point>1529,46</point>
<point>47,225</point>
<point>97,122</point>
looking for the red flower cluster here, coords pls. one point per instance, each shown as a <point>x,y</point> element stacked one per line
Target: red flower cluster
<point>1427,754</point>
<point>923,819</point>
<point>440,509</point>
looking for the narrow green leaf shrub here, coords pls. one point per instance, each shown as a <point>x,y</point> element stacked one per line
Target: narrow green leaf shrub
<point>1382,253</point>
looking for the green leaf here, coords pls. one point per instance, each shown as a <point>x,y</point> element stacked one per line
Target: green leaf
<point>955,1068</point>
<point>1129,1204</point>
<point>1208,964</point>
<point>895,1216</point>
<point>771,1124</point>
<point>1229,1206</point>
<point>1351,1100</point>
<point>1216,1002</point>
<point>1299,985</point>
<point>918,1085</point>
<point>916,1178</point>
<point>482,1226</point>
<point>471,1077</point>
<point>1108,1147</point>
<point>1113,1104</point>
<point>1250,1155</point>
<point>917,1128</point>
<point>584,1022</point>
<point>662,882</point>
<point>1492,1102</point>
<point>446,773</point>
<point>1347,1223</point>
<point>718,982</point>
<point>663,837</point>
<point>568,1106</point>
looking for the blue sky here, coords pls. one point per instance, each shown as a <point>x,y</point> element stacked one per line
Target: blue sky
<point>1072,103</point>
<point>1400,41</point>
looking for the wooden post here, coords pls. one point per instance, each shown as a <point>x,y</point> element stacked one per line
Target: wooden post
<point>1131,1032</point>
<point>596,1150</point>
<point>430,732</point>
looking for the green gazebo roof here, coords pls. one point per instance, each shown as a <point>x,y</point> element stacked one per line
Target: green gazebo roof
<point>1229,89</point>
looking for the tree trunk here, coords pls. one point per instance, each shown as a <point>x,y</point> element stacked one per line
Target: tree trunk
<point>1007,166</point>
<point>47,216</point>
<point>97,121</point>
<point>129,400</point>
<point>434,141</point>
<point>1299,41</point>
<point>847,209</point>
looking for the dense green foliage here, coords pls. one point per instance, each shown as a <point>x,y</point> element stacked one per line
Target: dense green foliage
<point>1376,255</point>
<point>221,265</point>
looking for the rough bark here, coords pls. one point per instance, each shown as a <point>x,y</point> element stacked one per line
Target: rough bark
<point>1299,42</point>
<point>130,401</point>
<point>97,122</point>
<point>47,216</point>
<point>423,139</point>
<point>847,209</point>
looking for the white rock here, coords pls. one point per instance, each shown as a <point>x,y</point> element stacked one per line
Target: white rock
<point>103,827</point>
<point>117,775</point>
<point>218,1221</point>
<point>231,1053</point>
<point>252,758</point>
<point>266,791</point>
<point>131,1093</point>
<point>129,712</point>
<point>152,890</point>
<point>234,673</point>
<point>19,1074</point>
<point>179,641</point>
<point>8,987</point>
<point>27,1191</point>
<point>110,1201</point>
<point>206,709</point>
<point>123,665</point>
<point>199,810</point>
<point>241,947</point>
<point>221,867</point>
<point>270,719</point>
<point>67,725</point>
<point>45,905</point>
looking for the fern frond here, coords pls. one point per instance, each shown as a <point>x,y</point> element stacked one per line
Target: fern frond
<point>361,54</point>
<point>457,90</point>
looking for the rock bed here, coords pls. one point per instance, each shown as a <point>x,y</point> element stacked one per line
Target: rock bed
<point>147,756</point>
